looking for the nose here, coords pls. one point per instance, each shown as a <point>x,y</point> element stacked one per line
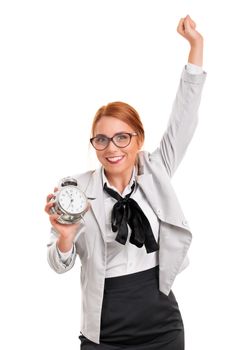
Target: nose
<point>111,146</point>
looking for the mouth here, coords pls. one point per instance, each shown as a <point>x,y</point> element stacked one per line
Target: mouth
<point>115,159</point>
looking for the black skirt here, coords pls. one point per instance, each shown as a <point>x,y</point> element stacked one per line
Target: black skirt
<point>136,315</point>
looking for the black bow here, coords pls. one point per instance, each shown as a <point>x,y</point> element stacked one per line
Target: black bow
<point>127,211</point>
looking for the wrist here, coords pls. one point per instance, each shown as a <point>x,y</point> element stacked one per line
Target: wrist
<point>197,43</point>
<point>64,244</point>
<point>196,54</point>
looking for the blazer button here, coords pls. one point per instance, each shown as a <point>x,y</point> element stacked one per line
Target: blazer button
<point>158,211</point>
<point>185,222</point>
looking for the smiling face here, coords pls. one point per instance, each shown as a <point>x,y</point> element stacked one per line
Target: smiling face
<point>117,160</point>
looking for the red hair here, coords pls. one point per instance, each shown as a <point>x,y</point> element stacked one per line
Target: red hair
<point>123,112</point>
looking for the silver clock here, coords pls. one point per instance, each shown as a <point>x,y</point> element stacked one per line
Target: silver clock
<point>70,202</point>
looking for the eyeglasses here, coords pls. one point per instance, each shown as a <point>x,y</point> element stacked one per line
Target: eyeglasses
<point>121,140</point>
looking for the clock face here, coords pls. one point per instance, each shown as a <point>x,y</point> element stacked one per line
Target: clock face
<point>72,200</point>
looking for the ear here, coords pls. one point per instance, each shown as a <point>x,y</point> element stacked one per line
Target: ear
<point>140,144</point>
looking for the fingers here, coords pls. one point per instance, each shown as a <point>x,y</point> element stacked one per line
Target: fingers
<point>193,24</point>
<point>185,25</point>
<point>49,202</point>
<point>48,207</point>
<point>49,197</point>
<point>53,219</point>
<point>180,27</point>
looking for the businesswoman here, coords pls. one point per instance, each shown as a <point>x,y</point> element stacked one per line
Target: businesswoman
<point>134,238</point>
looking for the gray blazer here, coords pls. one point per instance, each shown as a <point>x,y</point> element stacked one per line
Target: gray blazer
<point>154,176</point>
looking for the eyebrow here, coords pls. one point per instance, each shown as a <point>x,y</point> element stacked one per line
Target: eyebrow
<point>117,133</point>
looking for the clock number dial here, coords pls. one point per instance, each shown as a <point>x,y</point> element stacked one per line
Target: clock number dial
<point>72,200</point>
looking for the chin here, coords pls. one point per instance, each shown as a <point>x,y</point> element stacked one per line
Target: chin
<point>120,169</point>
<point>114,169</point>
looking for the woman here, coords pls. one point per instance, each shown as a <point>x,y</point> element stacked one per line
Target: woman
<point>134,238</point>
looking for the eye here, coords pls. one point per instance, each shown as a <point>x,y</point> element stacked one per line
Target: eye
<point>101,139</point>
<point>121,137</point>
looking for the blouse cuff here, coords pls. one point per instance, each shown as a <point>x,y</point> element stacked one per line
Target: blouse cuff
<point>193,68</point>
<point>65,255</point>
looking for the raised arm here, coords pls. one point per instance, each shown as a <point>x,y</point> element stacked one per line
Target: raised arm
<point>184,116</point>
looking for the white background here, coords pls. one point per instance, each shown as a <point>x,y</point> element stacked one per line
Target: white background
<point>61,61</point>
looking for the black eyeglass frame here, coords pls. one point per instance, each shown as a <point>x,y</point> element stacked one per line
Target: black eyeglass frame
<point>130,134</point>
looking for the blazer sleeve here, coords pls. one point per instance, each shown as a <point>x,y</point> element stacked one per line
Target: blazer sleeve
<point>54,258</point>
<point>182,122</point>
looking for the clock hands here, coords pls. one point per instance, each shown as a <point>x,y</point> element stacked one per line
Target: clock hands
<point>71,199</point>
<point>73,203</point>
<point>69,194</point>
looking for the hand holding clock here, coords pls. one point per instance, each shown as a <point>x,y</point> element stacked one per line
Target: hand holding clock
<point>66,231</point>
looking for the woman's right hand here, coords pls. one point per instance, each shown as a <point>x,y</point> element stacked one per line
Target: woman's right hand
<point>66,232</point>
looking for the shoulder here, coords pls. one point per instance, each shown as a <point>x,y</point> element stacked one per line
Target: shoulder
<point>84,178</point>
<point>145,157</point>
<point>151,162</point>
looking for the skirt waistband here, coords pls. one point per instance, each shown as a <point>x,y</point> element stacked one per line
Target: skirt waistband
<point>132,279</point>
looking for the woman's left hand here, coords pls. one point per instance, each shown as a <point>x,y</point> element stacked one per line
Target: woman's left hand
<point>186,28</point>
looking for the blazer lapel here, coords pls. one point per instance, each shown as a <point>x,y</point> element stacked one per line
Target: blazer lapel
<point>145,182</point>
<point>95,194</point>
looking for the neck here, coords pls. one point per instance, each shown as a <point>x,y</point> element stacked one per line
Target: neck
<point>119,181</point>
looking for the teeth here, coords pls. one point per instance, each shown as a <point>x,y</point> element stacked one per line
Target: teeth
<point>115,159</point>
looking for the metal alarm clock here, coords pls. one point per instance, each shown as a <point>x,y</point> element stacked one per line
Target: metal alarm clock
<point>70,202</point>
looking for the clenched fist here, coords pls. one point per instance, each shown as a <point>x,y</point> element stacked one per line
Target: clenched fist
<point>187,28</point>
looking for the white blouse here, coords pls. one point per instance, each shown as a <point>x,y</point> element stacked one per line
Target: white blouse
<point>126,259</point>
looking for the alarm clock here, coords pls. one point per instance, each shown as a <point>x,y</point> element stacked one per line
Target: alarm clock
<point>70,202</point>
